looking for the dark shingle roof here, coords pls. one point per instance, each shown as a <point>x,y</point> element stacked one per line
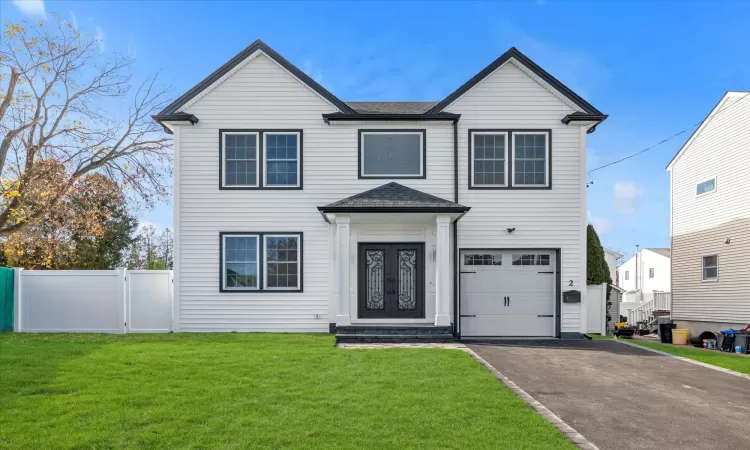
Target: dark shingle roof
<point>391,107</point>
<point>394,196</point>
<point>661,251</point>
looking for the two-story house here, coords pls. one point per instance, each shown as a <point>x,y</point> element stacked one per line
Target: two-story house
<point>296,211</point>
<point>710,220</point>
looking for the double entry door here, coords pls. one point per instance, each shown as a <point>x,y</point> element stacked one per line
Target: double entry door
<point>390,280</point>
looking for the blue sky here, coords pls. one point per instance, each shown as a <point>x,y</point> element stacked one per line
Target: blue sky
<point>655,68</point>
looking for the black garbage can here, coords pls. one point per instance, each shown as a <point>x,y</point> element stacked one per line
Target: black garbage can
<point>665,332</point>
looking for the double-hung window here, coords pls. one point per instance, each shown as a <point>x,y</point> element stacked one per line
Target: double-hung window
<point>710,268</point>
<point>509,159</point>
<point>261,159</point>
<point>392,153</point>
<point>261,262</point>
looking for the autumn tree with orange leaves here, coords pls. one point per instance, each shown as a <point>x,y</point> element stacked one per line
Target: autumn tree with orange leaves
<point>68,112</point>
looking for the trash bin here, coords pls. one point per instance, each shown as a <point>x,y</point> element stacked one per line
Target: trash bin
<point>679,336</point>
<point>665,332</point>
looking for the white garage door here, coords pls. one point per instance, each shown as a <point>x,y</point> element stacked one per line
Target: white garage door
<point>507,293</point>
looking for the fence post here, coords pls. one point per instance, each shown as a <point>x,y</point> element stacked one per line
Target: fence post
<point>17,299</point>
<point>122,272</point>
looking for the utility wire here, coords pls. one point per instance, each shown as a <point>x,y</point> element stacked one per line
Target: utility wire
<point>667,139</point>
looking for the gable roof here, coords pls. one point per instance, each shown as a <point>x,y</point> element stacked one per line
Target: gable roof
<point>238,58</point>
<point>660,251</point>
<point>529,64</point>
<point>716,110</point>
<point>393,197</point>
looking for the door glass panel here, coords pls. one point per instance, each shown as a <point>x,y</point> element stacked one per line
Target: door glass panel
<point>407,280</point>
<point>374,273</point>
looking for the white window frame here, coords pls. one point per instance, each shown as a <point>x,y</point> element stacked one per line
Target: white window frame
<point>258,144</point>
<point>651,273</point>
<point>547,165</point>
<point>473,160</point>
<point>422,155</point>
<point>224,262</point>
<point>265,262</point>
<point>627,275</point>
<point>716,187</point>
<point>703,267</point>
<point>265,159</point>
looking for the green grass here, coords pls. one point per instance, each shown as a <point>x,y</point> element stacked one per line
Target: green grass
<point>252,390</point>
<point>598,336</point>
<point>730,361</point>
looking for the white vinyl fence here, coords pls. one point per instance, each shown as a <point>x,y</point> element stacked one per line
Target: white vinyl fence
<point>95,301</point>
<point>596,308</point>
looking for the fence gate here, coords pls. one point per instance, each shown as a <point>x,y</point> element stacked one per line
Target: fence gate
<point>6,299</point>
<point>148,301</point>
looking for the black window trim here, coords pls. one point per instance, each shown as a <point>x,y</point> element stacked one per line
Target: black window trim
<point>362,176</point>
<point>262,261</point>
<point>510,158</point>
<point>261,159</point>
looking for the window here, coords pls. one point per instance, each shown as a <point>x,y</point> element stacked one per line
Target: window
<point>651,273</point>
<point>240,268</point>
<point>705,187</point>
<point>489,163</point>
<point>483,260</point>
<point>248,258</point>
<point>530,157</point>
<point>240,159</point>
<point>530,260</point>
<point>281,155</point>
<point>282,261</point>
<point>260,159</point>
<point>711,268</point>
<point>627,275</point>
<point>392,154</point>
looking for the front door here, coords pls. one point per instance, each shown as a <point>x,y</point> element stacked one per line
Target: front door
<point>391,281</point>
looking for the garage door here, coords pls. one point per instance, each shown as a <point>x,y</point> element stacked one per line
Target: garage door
<point>507,293</point>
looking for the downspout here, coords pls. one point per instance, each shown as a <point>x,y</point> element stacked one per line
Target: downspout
<point>456,272</point>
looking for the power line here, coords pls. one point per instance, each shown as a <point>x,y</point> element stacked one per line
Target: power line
<point>667,139</point>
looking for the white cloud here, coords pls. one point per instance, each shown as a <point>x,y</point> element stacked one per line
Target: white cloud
<point>626,194</point>
<point>31,7</point>
<point>100,38</point>
<point>73,19</point>
<point>602,225</point>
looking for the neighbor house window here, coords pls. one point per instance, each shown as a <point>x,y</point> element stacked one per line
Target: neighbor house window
<point>530,260</point>
<point>627,275</point>
<point>489,160</point>
<point>530,159</point>
<point>240,159</point>
<point>261,262</point>
<point>281,152</point>
<point>483,260</point>
<point>651,273</point>
<point>392,154</point>
<point>260,159</point>
<point>711,268</point>
<point>705,187</point>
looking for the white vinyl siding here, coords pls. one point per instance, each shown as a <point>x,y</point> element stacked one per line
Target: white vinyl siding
<point>702,224</point>
<point>543,218</point>
<point>263,96</point>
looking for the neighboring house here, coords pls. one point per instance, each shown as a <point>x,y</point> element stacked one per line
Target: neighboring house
<point>710,197</point>
<point>611,257</point>
<point>296,211</point>
<point>647,270</point>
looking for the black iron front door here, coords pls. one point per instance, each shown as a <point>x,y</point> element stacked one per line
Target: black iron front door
<point>391,281</point>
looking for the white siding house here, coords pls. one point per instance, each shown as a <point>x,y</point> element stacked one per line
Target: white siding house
<point>295,211</point>
<point>710,220</point>
<point>647,270</point>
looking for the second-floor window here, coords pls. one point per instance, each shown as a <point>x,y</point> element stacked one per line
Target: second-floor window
<point>507,159</point>
<point>627,275</point>
<point>651,273</point>
<point>392,153</point>
<point>261,159</point>
<point>704,187</point>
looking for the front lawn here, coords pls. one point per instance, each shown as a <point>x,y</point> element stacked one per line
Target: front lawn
<point>252,390</point>
<point>730,361</point>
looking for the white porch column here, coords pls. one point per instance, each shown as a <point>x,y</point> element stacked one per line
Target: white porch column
<point>343,317</point>
<point>443,272</point>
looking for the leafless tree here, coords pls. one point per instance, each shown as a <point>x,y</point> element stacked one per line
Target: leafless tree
<point>64,101</point>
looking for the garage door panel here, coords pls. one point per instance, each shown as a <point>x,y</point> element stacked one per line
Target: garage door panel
<point>507,325</point>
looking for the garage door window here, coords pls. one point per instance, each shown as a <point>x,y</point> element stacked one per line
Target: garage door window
<point>530,260</point>
<point>483,260</point>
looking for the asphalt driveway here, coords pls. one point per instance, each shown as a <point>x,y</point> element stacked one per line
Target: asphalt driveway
<point>621,397</point>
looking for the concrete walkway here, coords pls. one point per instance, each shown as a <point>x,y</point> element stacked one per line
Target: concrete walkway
<point>621,397</point>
